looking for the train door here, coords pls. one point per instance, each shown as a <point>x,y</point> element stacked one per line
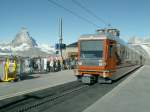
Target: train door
<point>111,56</point>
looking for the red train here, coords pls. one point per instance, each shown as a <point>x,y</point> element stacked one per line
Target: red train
<point>104,57</point>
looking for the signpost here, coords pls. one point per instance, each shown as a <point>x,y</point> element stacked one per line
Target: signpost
<point>60,46</point>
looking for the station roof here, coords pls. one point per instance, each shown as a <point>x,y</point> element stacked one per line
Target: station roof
<point>72,44</point>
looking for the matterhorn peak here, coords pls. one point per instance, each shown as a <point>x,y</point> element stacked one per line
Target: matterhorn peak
<point>23,37</point>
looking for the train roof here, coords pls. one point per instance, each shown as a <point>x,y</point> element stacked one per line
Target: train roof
<point>101,37</point>
<point>97,37</point>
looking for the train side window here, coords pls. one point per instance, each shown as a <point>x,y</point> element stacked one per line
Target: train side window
<point>110,51</point>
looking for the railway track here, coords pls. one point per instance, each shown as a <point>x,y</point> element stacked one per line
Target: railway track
<point>33,100</point>
<point>49,98</point>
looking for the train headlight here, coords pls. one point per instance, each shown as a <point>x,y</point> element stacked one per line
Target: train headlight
<point>102,63</point>
<point>79,62</point>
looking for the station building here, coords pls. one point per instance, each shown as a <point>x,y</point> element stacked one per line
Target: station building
<point>71,50</point>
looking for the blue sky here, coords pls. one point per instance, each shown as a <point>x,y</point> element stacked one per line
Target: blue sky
<point>41,18</point>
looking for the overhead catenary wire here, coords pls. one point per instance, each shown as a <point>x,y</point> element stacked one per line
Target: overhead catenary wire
<point>91,13</point>
<point>73,13</point>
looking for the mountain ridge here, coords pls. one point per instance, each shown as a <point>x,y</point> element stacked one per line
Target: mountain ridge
<point>23,44</point>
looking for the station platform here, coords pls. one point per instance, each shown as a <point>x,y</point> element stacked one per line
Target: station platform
<point>132,95</point>
<point>34,83</point>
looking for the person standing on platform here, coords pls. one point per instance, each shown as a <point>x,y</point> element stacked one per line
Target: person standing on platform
<point>59,65</point>
<point>51,65</point>
<point>39,65</point>
<point>45,64</point>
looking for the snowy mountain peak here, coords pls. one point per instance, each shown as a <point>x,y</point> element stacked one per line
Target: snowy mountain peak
<point>25,45</point>
<point>23,37</point>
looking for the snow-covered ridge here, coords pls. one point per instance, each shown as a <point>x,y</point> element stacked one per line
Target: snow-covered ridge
<point>138,40</point>
<point>22,47</point>
<point>46,47</point>
<point>141,45</point>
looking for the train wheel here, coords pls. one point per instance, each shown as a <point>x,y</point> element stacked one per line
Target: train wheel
<point>89,79</point>
<point>103,80</point>
<point>79,78</point>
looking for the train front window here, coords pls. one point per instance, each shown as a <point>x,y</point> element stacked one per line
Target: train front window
<point>91,49</point>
